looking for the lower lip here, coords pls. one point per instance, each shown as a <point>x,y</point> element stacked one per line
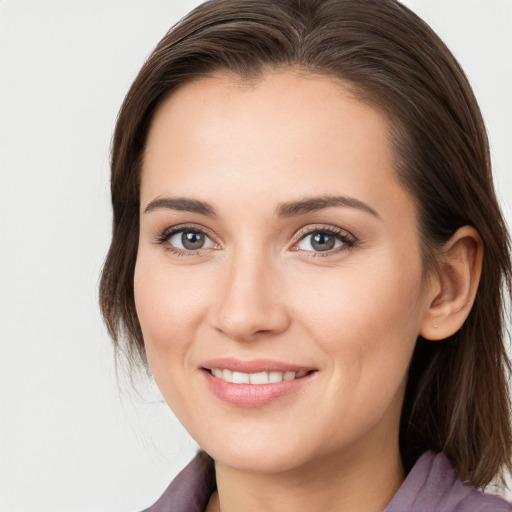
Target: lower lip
<point>253,395</point>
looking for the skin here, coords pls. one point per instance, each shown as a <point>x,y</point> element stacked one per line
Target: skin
<point>258,289</point>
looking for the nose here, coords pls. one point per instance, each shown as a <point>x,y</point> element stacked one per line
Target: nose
<point>250,300</point>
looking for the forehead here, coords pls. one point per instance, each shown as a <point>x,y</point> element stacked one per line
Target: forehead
<point>285,134</point>
<point>271,101</point>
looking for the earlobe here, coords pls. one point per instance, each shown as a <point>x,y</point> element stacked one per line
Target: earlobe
<point>454,285</point>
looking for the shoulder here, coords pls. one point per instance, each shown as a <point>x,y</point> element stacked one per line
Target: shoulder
<point>433,486</point>
<point>190,490</point>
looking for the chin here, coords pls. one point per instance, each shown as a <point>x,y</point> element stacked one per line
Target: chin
<point>251,460</point>
<point>262,452</point>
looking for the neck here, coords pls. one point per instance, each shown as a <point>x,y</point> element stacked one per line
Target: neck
<point>349,482</point>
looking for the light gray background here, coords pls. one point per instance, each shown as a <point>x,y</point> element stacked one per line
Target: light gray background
<point>71,440</point>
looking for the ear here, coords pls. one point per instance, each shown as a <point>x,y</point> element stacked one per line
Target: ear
<point>453,287</point>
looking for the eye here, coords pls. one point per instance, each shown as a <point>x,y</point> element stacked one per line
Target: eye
<point>190,240</point>
<point>183,240</point>
<point>325,240</point>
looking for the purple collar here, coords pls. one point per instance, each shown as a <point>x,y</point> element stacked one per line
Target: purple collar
<point>431,486</point>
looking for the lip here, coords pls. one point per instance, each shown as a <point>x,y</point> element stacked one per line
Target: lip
<point>254,365</point>
<point>253,395</point>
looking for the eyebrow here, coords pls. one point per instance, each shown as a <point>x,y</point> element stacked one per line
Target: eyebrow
<point>314,204</point>
<point>289,209</point>
<point>181,204</point>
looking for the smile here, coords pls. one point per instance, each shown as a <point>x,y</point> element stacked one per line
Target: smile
<point>256,383</point>
<point>259,378</point>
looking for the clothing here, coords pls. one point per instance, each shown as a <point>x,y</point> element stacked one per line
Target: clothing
<point>431,486</point>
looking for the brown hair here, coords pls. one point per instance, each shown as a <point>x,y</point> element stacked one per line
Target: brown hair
<point>456,400</point>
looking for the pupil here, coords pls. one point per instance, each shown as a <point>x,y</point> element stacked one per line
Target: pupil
<point>322,242</point>
<point>192,240</point>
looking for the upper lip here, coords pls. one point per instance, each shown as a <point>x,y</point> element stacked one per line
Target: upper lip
<point>254,365</point>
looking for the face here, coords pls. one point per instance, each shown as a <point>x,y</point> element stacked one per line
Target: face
<point>279,281</point>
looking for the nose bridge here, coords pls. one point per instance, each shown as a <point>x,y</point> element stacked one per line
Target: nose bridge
<point>248,302</point>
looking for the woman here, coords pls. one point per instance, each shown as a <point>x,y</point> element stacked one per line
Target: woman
<point>308,254</point>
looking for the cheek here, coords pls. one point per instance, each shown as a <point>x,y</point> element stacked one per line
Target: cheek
<point>366,318</point>
<point>365,297</point>
<point>170,307</point>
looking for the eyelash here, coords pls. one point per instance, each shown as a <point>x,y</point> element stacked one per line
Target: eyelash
<point>348,240</point>
<point>169,233</point>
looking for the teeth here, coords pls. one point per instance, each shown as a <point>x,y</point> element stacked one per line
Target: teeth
<point>240,378</point>
<point>258,378</point>
<point>275,376</point>
<point>255,378</point>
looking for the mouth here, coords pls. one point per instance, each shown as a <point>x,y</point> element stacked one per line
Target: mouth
<point>254,383</point>
<point>258,378</point>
